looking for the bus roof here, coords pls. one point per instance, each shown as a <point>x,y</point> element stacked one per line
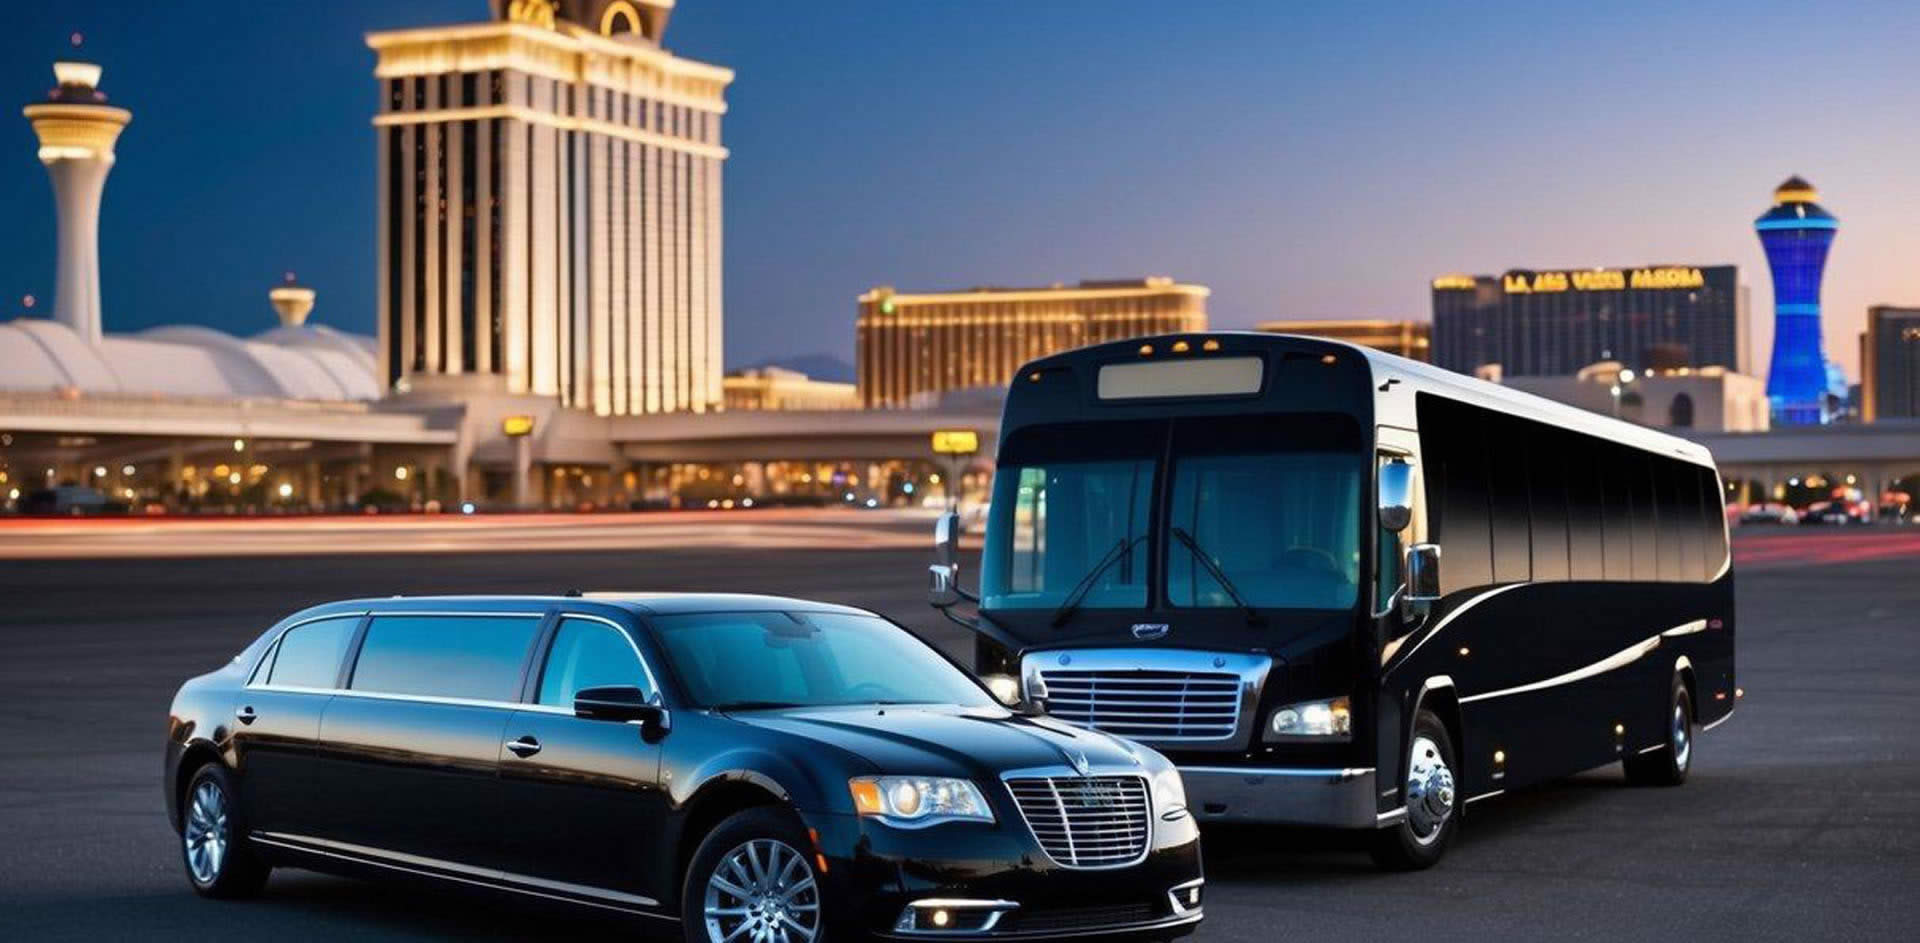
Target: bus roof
<point>1399,375</point>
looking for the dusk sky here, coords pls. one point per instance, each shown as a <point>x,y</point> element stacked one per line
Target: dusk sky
<point>1303,160</point>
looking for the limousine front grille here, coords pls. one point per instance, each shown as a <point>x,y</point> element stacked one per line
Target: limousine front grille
<point>1147,705</point>
<point>1086,821</point>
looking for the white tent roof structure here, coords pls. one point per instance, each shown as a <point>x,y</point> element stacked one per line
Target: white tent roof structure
<point>297,362</point>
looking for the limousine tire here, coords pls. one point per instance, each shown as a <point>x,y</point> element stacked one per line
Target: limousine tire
<point>1667,766</point>
<point>757,868</point>
<point>217,864</point>
<point>1421,836</point>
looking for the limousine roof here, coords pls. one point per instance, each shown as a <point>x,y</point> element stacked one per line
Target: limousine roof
<point>1413,376</point>
<point>643,603</point>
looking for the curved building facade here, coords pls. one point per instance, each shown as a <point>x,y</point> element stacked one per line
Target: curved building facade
<point>1796,234</point>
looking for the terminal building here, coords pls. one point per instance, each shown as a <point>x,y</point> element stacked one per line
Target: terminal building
<point>913,347</point>
<point>1535,322</point>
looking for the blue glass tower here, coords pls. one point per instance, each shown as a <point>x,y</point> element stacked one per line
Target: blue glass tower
<point>1796,233</point>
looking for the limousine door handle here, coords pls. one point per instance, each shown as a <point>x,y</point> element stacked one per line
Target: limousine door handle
<point>524,747</point>
<point>245,714</point>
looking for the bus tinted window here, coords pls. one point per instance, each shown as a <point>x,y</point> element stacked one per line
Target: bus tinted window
<point>1509,449</point>
<point>1616,530</point>
<point>1686,521</point>
<point>1714,520</point>
<point>1637,469</point>
<point>1547,493</point>
<point>1456,476</point>
<point>1586,507</point>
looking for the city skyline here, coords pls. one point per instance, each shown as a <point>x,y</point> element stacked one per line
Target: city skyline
<point>869,149</point>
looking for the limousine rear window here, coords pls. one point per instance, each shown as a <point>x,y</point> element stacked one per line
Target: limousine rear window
<point>474,657</point>
<point>309,655</point>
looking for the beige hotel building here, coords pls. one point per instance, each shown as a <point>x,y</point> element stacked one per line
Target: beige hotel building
<point>549,208</point>
<point>910,348</point>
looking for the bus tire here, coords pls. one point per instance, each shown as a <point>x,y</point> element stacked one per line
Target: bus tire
<point>1668,765</point>
<point>1421,836</point>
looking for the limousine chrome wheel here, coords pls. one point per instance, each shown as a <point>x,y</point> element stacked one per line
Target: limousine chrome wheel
<point>206,832</point>
<point>763,891</point>
<point>210,823</point>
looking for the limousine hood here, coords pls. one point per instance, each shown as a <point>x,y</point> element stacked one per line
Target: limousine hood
<point>927,740</point>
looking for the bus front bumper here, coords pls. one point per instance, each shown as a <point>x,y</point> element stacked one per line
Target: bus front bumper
<point>1335,798</point>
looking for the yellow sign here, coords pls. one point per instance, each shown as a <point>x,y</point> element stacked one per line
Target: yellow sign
<point>956,442</point>
<point>1525,283</point>
<point>1668,278</point>
<point>1454,283</point>
<point>516,426</point>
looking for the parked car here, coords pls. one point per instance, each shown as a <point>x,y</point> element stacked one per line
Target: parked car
<point>70,499</point>
<point>1769,514</point>
<point>755,768</point>
<point>1835,513</point>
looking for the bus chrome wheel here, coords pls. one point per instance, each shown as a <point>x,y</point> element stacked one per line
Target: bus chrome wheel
<point>1432,817</point>
<point>1429,791</point>
<point>1669,762</point>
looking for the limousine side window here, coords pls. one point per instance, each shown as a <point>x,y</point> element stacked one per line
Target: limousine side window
<point>308,656</point>
<point>587,654</point>
<point>475,657</point>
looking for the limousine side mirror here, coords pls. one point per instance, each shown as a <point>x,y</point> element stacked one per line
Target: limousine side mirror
<point>943,577</point>
<point>624,703</point>
<point>1396,495</point>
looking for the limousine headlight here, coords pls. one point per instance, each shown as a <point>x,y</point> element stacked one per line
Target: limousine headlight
<point>915,801</point>
<point>1169,793</point>
<point>1319,720</point>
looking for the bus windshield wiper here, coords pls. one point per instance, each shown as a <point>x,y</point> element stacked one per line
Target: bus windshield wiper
<point>1071,604</point>
<point>1213,570</point>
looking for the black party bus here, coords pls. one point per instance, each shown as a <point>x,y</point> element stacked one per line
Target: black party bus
<point>1342,588</point>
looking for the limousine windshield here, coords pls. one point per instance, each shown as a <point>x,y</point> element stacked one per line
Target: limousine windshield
<point>751,660</point>
<point>1072,533</point>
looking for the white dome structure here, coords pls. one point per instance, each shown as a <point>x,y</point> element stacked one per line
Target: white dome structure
<point>298,362</point>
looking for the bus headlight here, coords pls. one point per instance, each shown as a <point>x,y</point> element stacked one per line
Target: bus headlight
<point>1312,720</point>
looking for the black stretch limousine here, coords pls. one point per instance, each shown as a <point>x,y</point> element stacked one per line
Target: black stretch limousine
<point>754,767</point>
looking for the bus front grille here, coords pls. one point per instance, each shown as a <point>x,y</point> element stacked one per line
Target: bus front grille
<point>1147,705</point>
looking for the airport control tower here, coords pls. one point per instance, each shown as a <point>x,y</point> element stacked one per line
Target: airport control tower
<point>1796,233</point>
<point>77,129</point>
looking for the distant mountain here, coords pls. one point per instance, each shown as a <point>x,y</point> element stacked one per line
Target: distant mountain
<point>818,366</point>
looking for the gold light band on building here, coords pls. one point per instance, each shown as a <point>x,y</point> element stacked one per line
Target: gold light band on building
<point>548,119</point>
<point>477,47</point>
<point>1039,294</point>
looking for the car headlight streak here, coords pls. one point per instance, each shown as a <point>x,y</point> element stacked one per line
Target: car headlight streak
<point>915,801</point>
<point>1320,720</point>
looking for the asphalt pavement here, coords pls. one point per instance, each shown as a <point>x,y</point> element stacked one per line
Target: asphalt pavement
<point>1799,822</point>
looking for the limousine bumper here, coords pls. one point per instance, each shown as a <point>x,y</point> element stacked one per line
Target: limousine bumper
<point>1331,797</point>
<point>995,883</point>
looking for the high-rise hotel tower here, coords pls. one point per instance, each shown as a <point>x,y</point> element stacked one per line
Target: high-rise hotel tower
<point>550,208</point>
<point>1796,233</point>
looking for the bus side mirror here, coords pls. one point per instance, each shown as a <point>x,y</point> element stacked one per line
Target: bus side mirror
<point>1396,495</point>
<point>943,577</point>
<point>1423,573</point>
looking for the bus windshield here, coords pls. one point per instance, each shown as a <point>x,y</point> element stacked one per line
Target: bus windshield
<point>1273,501</point>
<point>1057,526</point>
<point>1280,527</point>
